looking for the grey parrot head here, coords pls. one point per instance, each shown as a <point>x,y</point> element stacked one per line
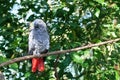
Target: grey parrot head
<point>37,24</point>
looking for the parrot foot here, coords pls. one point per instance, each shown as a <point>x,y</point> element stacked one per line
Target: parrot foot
<point>38,55</point>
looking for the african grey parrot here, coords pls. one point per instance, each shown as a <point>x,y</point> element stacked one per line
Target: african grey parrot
<point>38,43</point>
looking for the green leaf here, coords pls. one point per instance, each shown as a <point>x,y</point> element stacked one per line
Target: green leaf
<point>14,66</point>
<point>3,59</point>
<point>97,13</point>
<point>27,74</point>
<point>117,75</point>
<point>100,1</point>
<point>77,59</point>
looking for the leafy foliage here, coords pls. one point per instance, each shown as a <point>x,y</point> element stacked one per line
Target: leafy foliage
<point>71,23</point>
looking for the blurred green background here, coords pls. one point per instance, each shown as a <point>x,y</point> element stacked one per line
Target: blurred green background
<point>71,23</point>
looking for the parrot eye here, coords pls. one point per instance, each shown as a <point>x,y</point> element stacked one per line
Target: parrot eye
<point>36,26</point>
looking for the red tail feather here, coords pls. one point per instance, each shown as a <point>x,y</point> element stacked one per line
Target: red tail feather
<point>41,66</point>
<point>34,64</point>
<point>38,63</point>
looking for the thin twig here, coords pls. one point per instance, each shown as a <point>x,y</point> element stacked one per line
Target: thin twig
<point>55,67</point>
<point>56,52</point>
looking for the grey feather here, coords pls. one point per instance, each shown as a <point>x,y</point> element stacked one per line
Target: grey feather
<point>38,37</point>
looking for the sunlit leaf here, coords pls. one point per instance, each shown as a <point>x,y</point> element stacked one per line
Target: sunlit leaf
<point>97,12</point>
<point>100,1</point>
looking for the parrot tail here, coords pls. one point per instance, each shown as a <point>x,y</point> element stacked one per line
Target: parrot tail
<point>38,63</point>
<point>34,64</point>
<point>41,66</point>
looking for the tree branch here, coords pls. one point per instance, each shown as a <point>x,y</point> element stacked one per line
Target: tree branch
<point>1,76</point>
<point>56,52</point>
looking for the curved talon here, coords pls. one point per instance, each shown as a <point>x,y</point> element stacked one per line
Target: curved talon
<point>38,55</point>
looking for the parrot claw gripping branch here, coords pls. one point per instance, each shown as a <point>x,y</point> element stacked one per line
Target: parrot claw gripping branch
<point>38,43</point>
